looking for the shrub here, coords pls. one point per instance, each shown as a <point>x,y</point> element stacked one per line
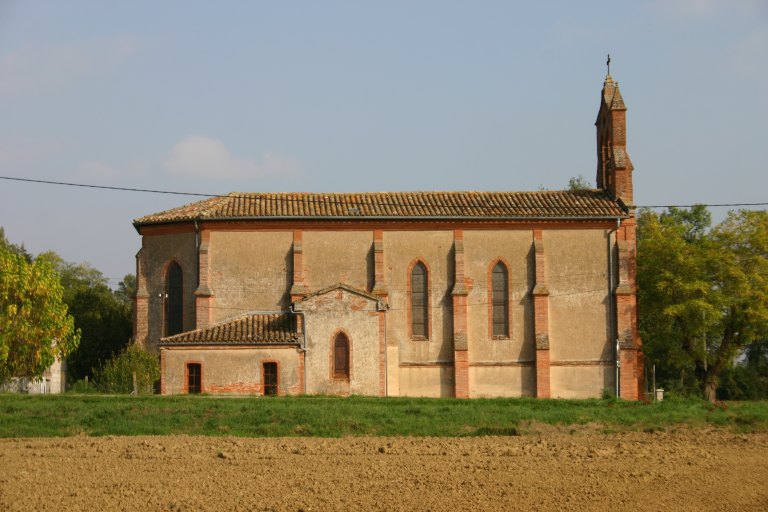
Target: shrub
<point>116,375</point>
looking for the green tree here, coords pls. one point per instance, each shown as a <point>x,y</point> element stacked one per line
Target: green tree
<point>19,250</point>
<point>35,328</point>
<point>578,183</point>
<point>117,374</point>
<point>103,317</point>
<point>126,289</point>
<point>703,293</point>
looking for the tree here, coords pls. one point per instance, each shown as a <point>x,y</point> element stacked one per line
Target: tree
<point>578,183</point>
<point>703,293</point>
<point>126,289</point>
<point>117,374</point>
<point>103,317</point>
<point>35,328</point>
<point>19,250</point>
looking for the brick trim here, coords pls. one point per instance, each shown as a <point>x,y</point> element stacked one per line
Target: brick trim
<point>187,362</point>
<point>261,387</point>
<point>489,281</point>
<point>541,317</point>
<point>379,271</point>
<point>301,386</point>
<point>164,300</point>
<point>298,286</point>
<point>268,224</point>
<point>461,367</point>
<point>382,353</point>
<point>163,374</point>
<point>331,356</point>
<point>409,280</point>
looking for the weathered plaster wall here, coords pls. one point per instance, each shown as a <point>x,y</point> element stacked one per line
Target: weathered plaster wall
<point>159,251</point>
<point>332,257</point>
<point>435,249</point>
<point>325,316</point>
<point>493,381</point>
<point>580,381</point>
<point>250,271</point>
<point>430,381</point>
<point>577,278</point>
<point>230,370</point>
<point>482,249</point>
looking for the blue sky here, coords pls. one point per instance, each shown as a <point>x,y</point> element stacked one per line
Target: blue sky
<point>215,97</point>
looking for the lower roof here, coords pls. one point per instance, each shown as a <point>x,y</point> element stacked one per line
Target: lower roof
<point>248,329</point>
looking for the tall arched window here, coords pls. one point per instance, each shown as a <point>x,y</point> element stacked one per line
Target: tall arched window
<point>341,357</point>
<point>500,300</point>
<point>419,301</point>
<point>174,306</point>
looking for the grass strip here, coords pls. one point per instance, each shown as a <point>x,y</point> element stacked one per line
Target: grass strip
<point>322,416</point>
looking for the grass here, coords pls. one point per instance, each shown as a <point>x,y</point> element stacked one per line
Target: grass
<point>98,415</point>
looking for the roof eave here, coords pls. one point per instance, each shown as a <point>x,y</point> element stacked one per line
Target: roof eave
<point>192,344</point>
<point>137,225</point>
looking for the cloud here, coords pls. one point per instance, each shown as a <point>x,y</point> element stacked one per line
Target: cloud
<point>198,156</point>
<point>52,67</point>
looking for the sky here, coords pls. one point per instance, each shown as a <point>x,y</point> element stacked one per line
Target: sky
<point>355,96</point>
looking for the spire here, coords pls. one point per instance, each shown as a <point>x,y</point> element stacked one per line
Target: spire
<point>614,168</point>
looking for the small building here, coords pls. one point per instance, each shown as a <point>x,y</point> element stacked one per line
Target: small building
<point>466,294</point>
<point>51,382</point>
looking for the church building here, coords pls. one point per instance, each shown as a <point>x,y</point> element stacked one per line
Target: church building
<point>465,294</point>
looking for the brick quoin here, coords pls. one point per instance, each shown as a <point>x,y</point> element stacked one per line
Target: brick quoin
<point>541,318</point>
<point>460,331</point>
<point>461,367</point>
<point>542,374</point>
<point>382,353</point>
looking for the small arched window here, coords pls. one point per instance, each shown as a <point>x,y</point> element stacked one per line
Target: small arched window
<point>419,301</point>
<point>500,300</point>
<point>341,357</point>
<point>174,306</point>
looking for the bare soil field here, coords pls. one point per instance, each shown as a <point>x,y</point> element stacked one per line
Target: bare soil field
<point>549,470</point>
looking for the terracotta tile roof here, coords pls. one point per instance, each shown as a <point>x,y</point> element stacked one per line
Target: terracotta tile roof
<point>396,205</point>
<point>251,328</point>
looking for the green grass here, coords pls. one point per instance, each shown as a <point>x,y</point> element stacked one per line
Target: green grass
<point>98,415</point>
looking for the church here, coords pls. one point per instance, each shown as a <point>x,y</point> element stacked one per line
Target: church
<point>439,294</point>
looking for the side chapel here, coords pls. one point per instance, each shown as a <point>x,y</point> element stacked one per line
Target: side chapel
<point>465,294</point>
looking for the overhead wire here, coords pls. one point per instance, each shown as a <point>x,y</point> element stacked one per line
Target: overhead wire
<point>349,202</point>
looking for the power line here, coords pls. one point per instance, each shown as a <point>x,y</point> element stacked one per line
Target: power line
<point>349,202</point>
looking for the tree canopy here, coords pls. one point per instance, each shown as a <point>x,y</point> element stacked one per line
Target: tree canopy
<point>35,327</point>
<point>103,316</point>
<point>702,292</point>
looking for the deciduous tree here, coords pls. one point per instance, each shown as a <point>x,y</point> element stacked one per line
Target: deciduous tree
<point>703,293</point>
<point>35,328</point>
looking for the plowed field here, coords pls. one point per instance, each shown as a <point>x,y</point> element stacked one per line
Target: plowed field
<point>689,470</point>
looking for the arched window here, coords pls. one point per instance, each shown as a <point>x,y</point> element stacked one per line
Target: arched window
<point>341,357</point>
<point>174,306</point>
<point>419,301</point>
<point>500,300</point>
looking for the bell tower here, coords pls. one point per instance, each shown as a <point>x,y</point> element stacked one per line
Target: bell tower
<point>614,168</point>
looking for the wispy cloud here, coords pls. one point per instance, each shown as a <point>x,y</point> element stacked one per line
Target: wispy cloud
<point>198,156</point>
<point>44,68</point>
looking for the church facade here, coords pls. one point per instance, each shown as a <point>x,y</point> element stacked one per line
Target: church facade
<point>465,294</point>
